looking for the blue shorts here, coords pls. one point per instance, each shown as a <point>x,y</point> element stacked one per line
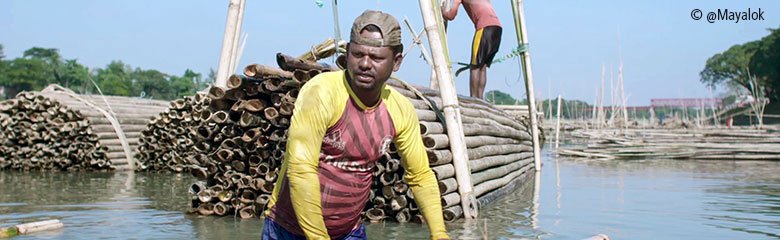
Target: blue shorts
<point>273,231</point>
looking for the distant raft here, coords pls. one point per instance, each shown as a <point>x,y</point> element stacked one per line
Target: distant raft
<point>57,129</point>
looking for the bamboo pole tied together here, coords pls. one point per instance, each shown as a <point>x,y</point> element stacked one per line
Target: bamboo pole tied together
<point>437,40</point>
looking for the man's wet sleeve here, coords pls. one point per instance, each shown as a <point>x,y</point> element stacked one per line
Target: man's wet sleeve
<point>307,129</point>
<point>419,175</point>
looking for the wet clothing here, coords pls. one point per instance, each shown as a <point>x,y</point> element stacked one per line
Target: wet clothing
<point>487,37</point>
<point>272,231</point>
<point>333,144</point>
<point>481,13</point>
<point>485,46</point>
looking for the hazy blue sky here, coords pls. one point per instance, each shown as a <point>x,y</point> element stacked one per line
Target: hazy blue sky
<point>663,49</point>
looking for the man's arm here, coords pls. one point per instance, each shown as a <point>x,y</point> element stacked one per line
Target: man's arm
<point>419,175</point>
<point>307,128</point>
<point>449,14</point>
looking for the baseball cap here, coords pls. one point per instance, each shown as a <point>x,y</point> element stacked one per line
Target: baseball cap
<point>387,24</point>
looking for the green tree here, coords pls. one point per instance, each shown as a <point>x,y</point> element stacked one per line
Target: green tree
<point>730,66</point>
<point>24,74</point>
<point>151,84</point>
<point>500,98</point>
<point>765,64</point>
<point>760,58</point>
<point>569,108</point>
<point>51,58</point>
<point>74,75</point>
<point>185,85</point>
<point>39,67</point>
<point>115,79</point>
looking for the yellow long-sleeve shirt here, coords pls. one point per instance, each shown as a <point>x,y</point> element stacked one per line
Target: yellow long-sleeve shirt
<point>333,143</point>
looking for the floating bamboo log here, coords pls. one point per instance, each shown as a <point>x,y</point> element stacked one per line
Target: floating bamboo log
<point>27,228</point>
<point>57,129</point>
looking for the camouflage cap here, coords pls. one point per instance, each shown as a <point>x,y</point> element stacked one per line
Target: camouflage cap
<point>388,26</point>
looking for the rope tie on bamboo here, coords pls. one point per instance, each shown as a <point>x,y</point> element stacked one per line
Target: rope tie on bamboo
<point>111,119</point>
<point>519,50</point>
<point>314,53</point>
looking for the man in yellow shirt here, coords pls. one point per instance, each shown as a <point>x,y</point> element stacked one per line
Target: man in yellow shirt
<point>342,123</point>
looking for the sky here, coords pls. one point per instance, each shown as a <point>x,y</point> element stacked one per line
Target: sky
<point>662,48</point>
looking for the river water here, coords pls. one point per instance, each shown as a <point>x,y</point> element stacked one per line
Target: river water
<point>576,199</point>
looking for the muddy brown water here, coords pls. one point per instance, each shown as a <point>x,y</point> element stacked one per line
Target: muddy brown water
<point>576,199</point>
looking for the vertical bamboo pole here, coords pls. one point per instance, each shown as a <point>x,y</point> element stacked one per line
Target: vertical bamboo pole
<point>623,99</point>
<point>558,123</point>
<point>431,14</point>
<point>235,44</point>
<point>225,57</point>
<point>336,29</point>
<point>522,39</point>
<point>602,112</point>
<point>593,117</point>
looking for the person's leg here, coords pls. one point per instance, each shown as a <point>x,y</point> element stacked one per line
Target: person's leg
<point>490,43</point>
<point>482,81</point>
<point>474,80</point>
<point>474,69</point>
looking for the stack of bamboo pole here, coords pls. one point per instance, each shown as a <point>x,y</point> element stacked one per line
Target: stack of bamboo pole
<point>244,132</point>
<point>695,144</point>
<point>163,145</point>
<point>243,137</point>
<point>56,129</point>
<point>499,149</point>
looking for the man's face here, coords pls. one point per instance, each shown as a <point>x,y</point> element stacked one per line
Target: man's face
<point>370,67</point>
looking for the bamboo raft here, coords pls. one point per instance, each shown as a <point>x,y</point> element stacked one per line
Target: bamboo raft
<point>56,129</point>
<point>241,141</point>
<point>694,144</point>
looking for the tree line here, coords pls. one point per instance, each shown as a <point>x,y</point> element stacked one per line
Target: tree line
<point>38,67</point>
<point>734,67</point>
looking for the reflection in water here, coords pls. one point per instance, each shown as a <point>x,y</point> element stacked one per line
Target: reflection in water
<point>665,199</point>
<point>575,199</point>
<point>91,205</point>
<point>749,205</point>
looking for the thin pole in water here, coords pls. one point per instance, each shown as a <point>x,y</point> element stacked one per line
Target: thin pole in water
<point>558,123</point>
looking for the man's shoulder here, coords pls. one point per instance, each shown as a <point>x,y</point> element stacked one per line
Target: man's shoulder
<point>397,99</point>
<point>399,106</point>
<point>326,78</point>
<point>325,83</point>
